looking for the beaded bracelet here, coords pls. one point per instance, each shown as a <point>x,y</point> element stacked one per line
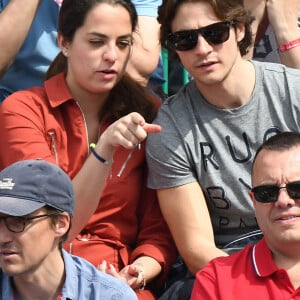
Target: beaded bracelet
<point>143,282</point>
<point>100,158</point>
<point>289,45</point>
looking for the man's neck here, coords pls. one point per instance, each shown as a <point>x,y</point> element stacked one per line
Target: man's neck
<point>45,282</point>
<point>234,91</point>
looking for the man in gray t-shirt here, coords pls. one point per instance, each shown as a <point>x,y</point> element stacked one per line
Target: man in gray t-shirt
<point>215,147</point>
<point>200,163</point>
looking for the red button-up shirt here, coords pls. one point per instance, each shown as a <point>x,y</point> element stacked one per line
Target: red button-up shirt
<point>46,122</point>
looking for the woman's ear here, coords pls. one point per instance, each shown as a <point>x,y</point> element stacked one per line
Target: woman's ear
<point>63,44</point>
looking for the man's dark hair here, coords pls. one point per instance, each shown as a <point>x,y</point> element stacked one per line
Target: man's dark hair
<point>280,142</point>
<point>225,10</point>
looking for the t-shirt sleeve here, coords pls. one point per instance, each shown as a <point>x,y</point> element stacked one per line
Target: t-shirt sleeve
<point>167,153</point>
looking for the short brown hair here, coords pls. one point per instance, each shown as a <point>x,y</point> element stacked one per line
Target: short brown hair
<point>225,10</point>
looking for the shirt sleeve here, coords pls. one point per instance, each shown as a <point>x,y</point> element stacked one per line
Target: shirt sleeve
<point>22,129</point>
<point>168,152</point>
<point>154,238</point>
<point>205,287</point>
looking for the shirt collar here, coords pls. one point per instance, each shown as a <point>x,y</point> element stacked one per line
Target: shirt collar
<point>57,90</point>
<point>70,288</point>
<point>262,259</point>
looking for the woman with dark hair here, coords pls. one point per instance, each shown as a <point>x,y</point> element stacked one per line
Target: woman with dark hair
<point>91,119</point>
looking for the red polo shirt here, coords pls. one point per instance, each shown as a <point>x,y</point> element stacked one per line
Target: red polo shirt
<point>246,275</point>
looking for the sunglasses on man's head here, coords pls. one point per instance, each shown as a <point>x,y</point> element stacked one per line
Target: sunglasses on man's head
<point>214,34</point>
<point>270,193</point>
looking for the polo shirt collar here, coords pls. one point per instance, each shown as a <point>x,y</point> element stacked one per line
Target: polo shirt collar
<point>262,259</point>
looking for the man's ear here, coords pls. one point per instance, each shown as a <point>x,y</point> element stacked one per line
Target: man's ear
<point>240,31</point>
<point>62,224</point>
<point>251,194</point>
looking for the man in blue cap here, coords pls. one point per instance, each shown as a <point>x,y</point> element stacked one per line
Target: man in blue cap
<point>36,207</point>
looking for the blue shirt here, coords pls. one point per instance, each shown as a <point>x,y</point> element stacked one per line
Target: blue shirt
<point>83,281</point>
<point>37,52</point>
<point>147,8</point>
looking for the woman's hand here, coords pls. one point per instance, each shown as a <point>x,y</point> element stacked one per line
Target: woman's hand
<point>132,274</point>
<point>127,132</point>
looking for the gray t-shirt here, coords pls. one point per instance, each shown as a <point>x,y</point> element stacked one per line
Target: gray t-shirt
<point>200,142</point>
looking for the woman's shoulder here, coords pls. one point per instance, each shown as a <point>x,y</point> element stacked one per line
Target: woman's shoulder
<point>22,98</point>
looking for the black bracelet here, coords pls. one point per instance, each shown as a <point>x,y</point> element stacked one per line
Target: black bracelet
<point>100,158</point>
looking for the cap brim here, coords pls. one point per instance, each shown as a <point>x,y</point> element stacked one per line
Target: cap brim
<point>18,207</point>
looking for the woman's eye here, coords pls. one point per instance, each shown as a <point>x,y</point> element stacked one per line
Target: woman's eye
<point>124,43</point>
<point>96,42</point>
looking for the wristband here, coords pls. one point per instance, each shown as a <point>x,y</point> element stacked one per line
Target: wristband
<point>289,45</point>
<point>100,158</point>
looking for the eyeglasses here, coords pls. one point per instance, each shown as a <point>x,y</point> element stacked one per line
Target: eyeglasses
<point>214,34</point>
<point>270,193</point>
<point>18,224</point>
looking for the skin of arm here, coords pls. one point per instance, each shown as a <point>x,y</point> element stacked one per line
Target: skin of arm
<point>146,49</point>
<point>185,211</point>
<point>16,18</point>
<point>283,20</point>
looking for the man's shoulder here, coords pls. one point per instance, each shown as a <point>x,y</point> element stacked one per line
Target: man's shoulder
<point>30,98</point>
<point>179,103</point>
<point>239,259</point>
<point>84,275</point>
<point>274,67</point>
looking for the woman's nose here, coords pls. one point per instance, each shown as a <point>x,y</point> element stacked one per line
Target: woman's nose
<point>111,53</point>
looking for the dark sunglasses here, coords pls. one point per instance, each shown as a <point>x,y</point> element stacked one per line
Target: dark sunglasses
<point>270,193</point>
<point>214,34</point>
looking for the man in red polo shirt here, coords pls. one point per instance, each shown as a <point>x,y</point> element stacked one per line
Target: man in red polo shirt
<point>269,269</point>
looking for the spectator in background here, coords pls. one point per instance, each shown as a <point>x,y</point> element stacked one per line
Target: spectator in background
<point>36,207</point>
<point>276,23</point>
<point>270,269</point>
<point>146,47</point>
<point>88,99</point>
<point>29,43</point>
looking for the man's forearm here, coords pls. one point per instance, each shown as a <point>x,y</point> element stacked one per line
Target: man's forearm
<point>15,21</point>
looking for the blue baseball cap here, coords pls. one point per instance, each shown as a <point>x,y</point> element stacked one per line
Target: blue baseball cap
<point>28,185</point>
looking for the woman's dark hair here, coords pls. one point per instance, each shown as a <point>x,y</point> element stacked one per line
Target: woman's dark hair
<point>128,95</point>
<point>225,10</point>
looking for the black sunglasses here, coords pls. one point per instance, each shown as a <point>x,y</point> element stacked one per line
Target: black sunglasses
<point>270,193</point>
<point>214,34</point>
